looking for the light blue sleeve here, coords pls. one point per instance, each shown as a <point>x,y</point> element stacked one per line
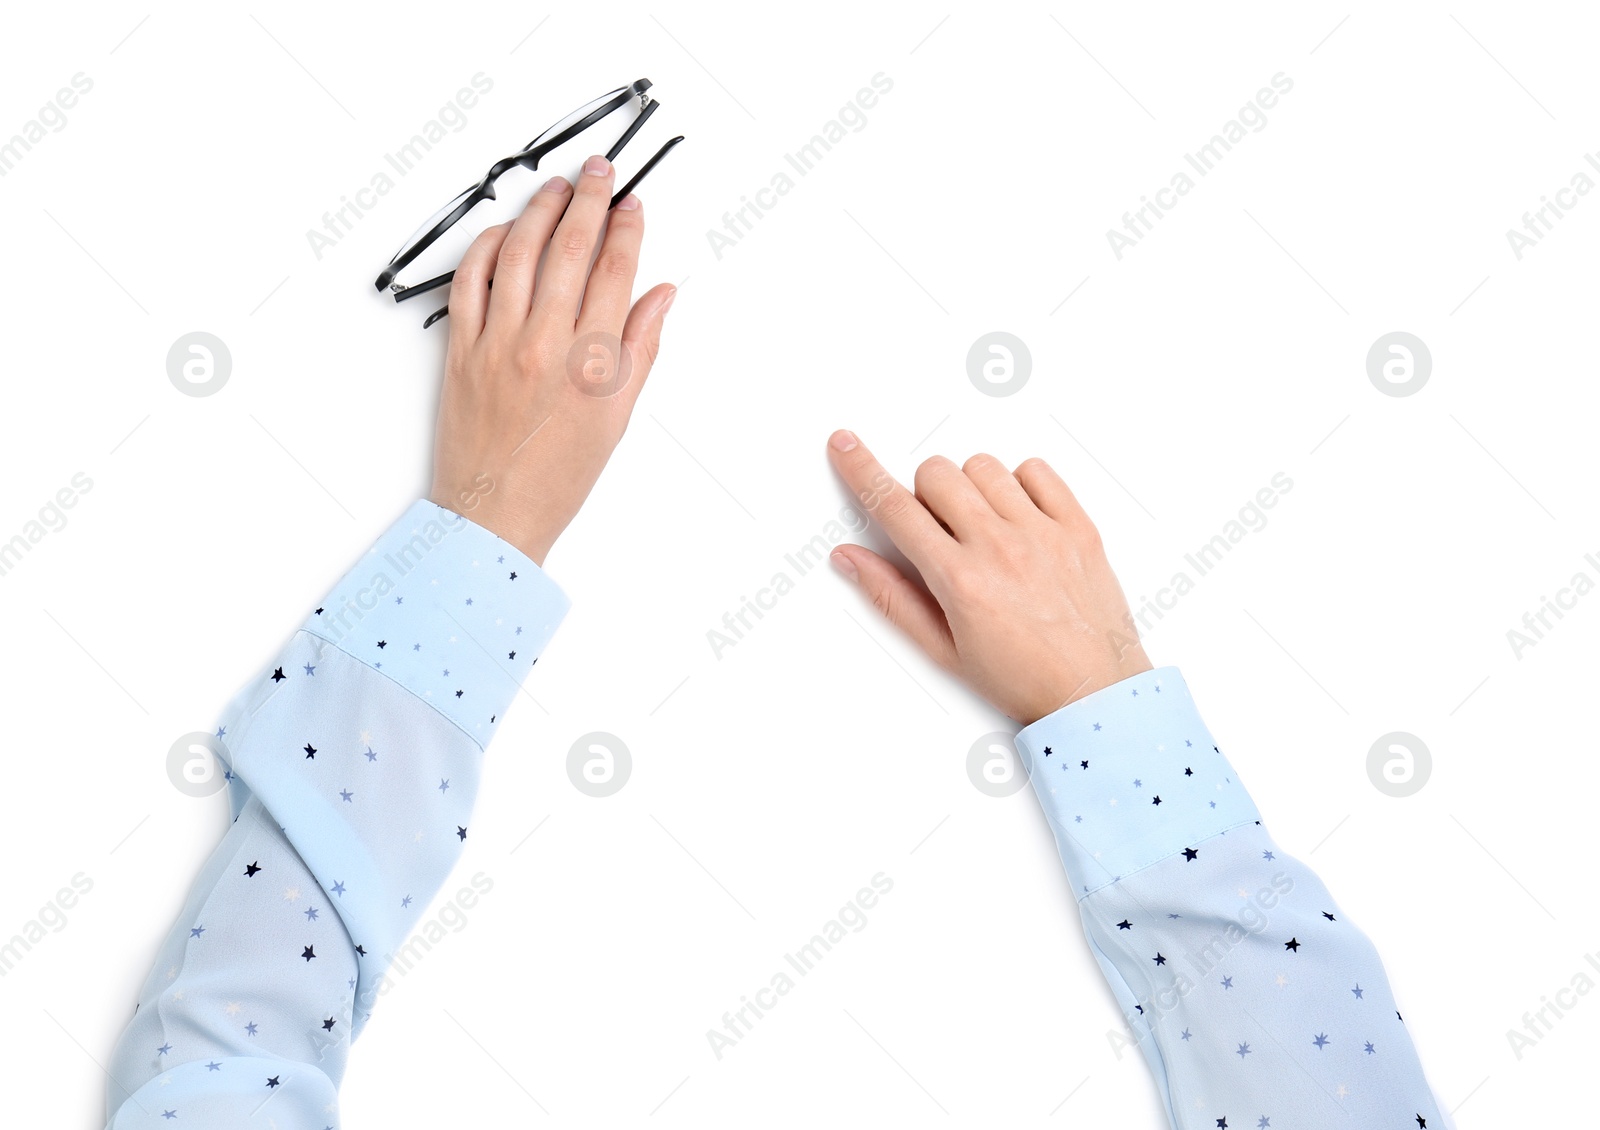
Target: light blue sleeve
<point>353,763</point>
<point>1256,1001</point>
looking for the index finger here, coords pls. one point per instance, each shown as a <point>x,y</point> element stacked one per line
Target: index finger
<point>571,253</point>
<point>908,523</point>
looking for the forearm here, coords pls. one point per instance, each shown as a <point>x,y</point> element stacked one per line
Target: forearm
<point>1254,999</point>
<point>354,763</point>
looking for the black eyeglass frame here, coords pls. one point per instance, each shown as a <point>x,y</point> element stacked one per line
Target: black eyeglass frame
<point>527,158</point>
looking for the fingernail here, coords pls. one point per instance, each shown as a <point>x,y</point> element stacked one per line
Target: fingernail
<point>628,203</point>
<point>597,166</point>
<point>672,296</point>
<point>556,184</point>
<point>844,565</point>
<point>842,440</point>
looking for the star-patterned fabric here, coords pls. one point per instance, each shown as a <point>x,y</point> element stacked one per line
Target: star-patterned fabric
<point>352,763</point>
<point>1256,1002</point>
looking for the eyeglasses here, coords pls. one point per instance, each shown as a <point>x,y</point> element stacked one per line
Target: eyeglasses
<point>642,107</point>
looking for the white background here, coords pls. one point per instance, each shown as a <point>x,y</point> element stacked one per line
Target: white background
<point>771,783</point>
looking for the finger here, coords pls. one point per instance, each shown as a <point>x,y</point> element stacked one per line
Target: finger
<point>999,487</point>
<point>469,289</point>
<point>641,334</point>
<point>610,287</point>
<point>904,519</point>
<point>952,497</point>
<point>512,295</point>
<point>903,603</point>
<point>566,265</point>
<point>1048,491</point>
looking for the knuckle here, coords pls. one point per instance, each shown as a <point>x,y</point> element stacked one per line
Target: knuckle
<point>572,245</point>
<point>533,351</point>
<point>1014,553</point>
<point>525,354</point>
<point>890,505</point>
<point>497,356</point>
<point>931,468</point>
<point>870,486</point>
<point>516,253</point>
<point>965,585</point>
<point>614,266</point>
<point>488,239</point>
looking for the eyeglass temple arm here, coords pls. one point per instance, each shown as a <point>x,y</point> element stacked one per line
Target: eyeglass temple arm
<point>441,280</point>
<point>634,180</point>
<point>649,107</point>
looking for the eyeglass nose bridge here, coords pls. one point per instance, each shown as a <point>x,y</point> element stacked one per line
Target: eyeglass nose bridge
<point>529,159</point>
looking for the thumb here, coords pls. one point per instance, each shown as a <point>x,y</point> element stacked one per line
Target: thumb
<point>903,604</point>
<point>641,333</point>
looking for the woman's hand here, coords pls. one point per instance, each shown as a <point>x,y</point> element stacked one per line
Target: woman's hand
<point>544,367</point>
<point>1024,607</point>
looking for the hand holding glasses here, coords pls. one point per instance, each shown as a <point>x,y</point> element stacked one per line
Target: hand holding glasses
<point>631,103</point>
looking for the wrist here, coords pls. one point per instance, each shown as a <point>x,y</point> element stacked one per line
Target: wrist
<point>1077,683</point>
<point>530,537</point>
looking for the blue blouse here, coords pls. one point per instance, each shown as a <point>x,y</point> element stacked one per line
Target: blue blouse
<point>1255,1000</point>
<point>352,764</point>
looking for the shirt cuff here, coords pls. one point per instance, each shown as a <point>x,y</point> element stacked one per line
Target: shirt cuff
<point>450,611</point>
<point>1129,776</point>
